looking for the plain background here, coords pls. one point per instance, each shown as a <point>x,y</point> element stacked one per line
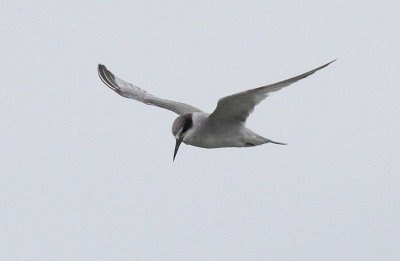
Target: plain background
<point>88,175</point>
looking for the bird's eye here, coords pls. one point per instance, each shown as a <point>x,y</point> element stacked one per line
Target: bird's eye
<point>188,124</point>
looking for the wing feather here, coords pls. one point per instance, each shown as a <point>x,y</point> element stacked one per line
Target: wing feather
<point>239,106</point>
<point>131,91</point>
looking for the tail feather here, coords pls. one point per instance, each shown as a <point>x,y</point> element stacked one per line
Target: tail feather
<point>258,139</point>
<point>275,142</point>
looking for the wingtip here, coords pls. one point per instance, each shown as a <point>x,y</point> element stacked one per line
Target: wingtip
<point>100,69</point>
<point>104,75</point>
<point>323,66</point>
<point>330,62</point>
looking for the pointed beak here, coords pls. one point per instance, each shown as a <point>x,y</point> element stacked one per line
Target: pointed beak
<point>178,143</point>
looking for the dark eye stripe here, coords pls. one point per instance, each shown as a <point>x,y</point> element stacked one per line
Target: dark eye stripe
<point>188,123</point>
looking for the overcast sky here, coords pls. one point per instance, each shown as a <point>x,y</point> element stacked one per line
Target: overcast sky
<point>88,175</point>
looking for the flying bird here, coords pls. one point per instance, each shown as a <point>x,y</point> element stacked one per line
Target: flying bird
<point>225,127</point>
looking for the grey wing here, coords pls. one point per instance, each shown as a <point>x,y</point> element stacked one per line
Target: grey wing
<point>239,106</point>
<point>131,91</point>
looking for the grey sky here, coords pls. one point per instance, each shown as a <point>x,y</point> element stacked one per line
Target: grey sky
<point>88,175</point>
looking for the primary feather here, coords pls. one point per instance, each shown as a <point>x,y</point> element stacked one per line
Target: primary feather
<point>239,106</point>
<point>131,91</point>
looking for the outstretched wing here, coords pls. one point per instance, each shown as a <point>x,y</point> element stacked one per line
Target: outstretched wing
<point>239,106</point>
<point>131,91</point>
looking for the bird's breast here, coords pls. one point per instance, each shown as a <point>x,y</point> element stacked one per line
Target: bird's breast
<point>212,134</point>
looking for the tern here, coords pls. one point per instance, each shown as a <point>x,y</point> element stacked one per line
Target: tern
<point>225,127</point>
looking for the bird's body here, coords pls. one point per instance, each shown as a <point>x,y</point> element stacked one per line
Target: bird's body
<point>208,133</point>
<point>225,127</point>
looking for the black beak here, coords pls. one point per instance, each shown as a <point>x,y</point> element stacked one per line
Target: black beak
<point>178,143</point>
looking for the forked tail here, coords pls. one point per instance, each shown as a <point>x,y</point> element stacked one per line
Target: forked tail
<point>275,142</point>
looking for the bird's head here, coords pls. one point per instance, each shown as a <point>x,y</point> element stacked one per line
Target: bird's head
<point>179,129</point>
